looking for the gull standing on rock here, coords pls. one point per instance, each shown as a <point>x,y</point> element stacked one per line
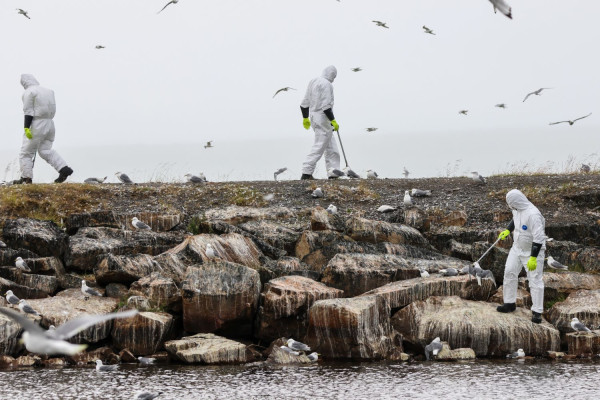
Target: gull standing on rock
<point>88,291</point>
<point>407,199</point>
<point>123,177</point>
<point>95,180</point>
<point>579,326</point>
<point>288,350</point>
<point>314,356</point>
<point>22,265</point>
<point>210,251</point>
<point>332,209</point>
<point>478,178</point>
<point>11,298</point>
<point>51,342</point>
<point>298,346</point>
<point>372,174</point>
<point>105,368</point>
<point>317,193</point>
<point>433,348</point>
<point>536,92</point>
<point>552,263</point>
<point>137,224</point>
<point>279,172</point>
<point>26,308</point>
<point>517,354</point>
<point>168,4</point>
<point>146,360</point>
<point>424,273</point>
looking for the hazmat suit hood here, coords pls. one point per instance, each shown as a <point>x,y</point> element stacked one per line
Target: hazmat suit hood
<point>329,73</point>
<point>516,200</point>
<point>28,80</point>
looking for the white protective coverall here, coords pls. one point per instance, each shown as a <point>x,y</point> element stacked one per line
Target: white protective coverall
<point>319,97</point>
<point>39,103</point>
<point>529,229</point>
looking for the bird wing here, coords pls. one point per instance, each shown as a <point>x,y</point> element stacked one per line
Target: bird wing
<point>93,292</point>
<point>25,322</point>
<point>125,178</point>
<point>141,225</point>
<point>580,326</point>
<point>559,122</point>
<point>276,93</point>
<point>28,309</point>
<point>171,2</point>
<point>526,97</point>
<point>74,326</point>
<point>503,7</point>
<point>577,119</point>
<point>196,179</point>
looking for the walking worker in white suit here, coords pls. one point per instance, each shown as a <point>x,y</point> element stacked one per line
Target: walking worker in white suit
<point>39,108</point>
<point>527,252</point>
<point>318,105</point>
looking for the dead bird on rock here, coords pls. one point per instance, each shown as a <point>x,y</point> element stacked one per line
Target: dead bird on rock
<point>433,348</point>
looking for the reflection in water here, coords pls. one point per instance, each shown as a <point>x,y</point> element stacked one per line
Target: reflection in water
<point>478,379</point>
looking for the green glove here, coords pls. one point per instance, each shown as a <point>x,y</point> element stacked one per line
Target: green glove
<point>504,234</point>
<point>28,133</point>
<point>306,123</point>
<point>336,126</point>
<point>532,263</point>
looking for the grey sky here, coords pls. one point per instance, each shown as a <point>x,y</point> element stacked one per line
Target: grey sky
<point>205,70</point>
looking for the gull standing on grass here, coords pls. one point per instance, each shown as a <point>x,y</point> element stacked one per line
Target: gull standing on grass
<point>105,368</point>
<point>298,346</point>
<point>37,340</point>
<point>22,265</point>
<point>123,177</point>
<point>407,199</point>
<point>139,225</point>
<point>88,291</point>
<point>26,308</point>
<point>11,298</point>
<point>579,326</point>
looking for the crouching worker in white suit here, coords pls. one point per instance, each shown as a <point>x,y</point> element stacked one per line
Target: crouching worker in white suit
<point>318,103</point>
<point>39,108</point>
<point>527,252</point>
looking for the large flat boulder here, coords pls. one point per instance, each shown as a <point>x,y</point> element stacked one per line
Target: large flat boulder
<point>207,348</point>
<point>285,266</point>
<point>161,292</point>
<point>365,230</point>
<point>21,291</point>
<point>220,297</point>
<point>102,218</point>
<point>321,220</point>
<point>44,284</point>
<point>88,245</point>
<point>42,237</point>
<point>582,304</point>
<point>143,334</point>
<point>558,285</point>
<point>284,305</point>
<point>523,297</point>
<point>583,343</point>
<point>10,332</point>
<point>476,325</point>
<point>357,328</point>
<point>124,268</point>
<point>402,293</point>
<point>274,234</point>
<point>70,304</point>
<point>235,215</point>
<point>8,256</point>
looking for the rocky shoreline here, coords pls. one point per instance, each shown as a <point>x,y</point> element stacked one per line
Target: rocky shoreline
<point>347,284</point>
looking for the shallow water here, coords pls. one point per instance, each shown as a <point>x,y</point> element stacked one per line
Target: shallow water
<point>522,380</point>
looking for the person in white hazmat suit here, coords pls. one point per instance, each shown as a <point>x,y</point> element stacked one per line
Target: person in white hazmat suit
<point>39,108</point>
<point>527,251</point>
<point>318,104</point>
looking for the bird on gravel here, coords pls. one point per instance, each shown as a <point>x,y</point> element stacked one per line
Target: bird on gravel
<point>95,180</point>
<point>420,193</point>
<point>123,177</point>
<point>11,298</point>
<point>407,200</point>
<point>372,174</point>
<point>88,291</point>
<point>314,356</point>
<point>585,169</point>
<point>334,172</point>
<point>22,265</point>
<point>105,368</point>
<point>168,4</point>
<point>298,346</point>
<point>279,172</point>
<point>332,209</point>
<point>139,225</point>
<point>433,348</point>
<point>535,92</point>
<point>146,360</point>
<point>517,354</point>
<point>285,89</point>
<point>385,209</point>
<point>579,326</point>
<point>478,178</point>
<point>26,308</point>
<point>194,179</point>
<point>147,395</point>
<point>317,193</point>
<point>570,122</point>
<point>350,173</point>
<point>552,263</point>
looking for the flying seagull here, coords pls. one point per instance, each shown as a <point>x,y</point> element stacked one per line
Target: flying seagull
<point>11,298</point>
<point>478,178</point>
<point>88,291</point>
<point>95,180</point>
<point>381,24</point>
<point>50,342</point>
<point>552,263</point>
<point>100,47</point>
<point>26,308</point>
<point>194,179</point>
<point>137,224</point>
<point>517,354</point>
<point>123,177</point>
<point>571,122</point>
<point>433,348</point>
<point>579,326</point>
<point>427,30</point>
<point>23,13</point>
<point>147,396</point>
<point>279,172</point>
<point>331,209</point>
<point>501,105</point>
<point>285,89</point>
<point>208,144</point>
<point>22,265</point>
<point>405,173</point>
<point>371,129</point>
<point>463,112</point>
<point>356,69</point>
<point>105,368</point>
<point>298,346</point>
<point>536,92</point>
<point>168,4</point>
<point>372,174</point>
<point>146,360</point>
<point>503,7</point>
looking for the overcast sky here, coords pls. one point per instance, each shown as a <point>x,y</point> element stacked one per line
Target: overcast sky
<point>207,70</point>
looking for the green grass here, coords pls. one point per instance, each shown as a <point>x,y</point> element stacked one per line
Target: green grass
<point>548,304</point>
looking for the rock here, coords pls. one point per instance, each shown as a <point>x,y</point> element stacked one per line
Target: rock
<point>139,303</point>
<point>220,296</point>
<point>27,361</point>
<point>207,348</point>
<point>588,259</point>
<point>158,222</point>
<point>365,230</point>
<point>502,215</point>
<point>127,356</point>
<point>21,291</point>
<point>446,354</point>
<point>583,343</point>
<point>105,218</point>
<point>357,328</point>
<point>582,304</point>
<point>280,357</point>
<point>321,220</point>
<point>285,303</point>
<point>6,361</point>
<point>460,250</point>
<point>8,256</point>
<point>453,218</point>
<point>474,324</point>
<point>10,332</point>
<point>124,269</point>
<point>523,297</point>
<point>317,248</point>
<point>274,234</point>
<point>45,265</point>
<point>70,304</point>
<point>287,266</point>
<point>143,334</point>
<point>116,290</point>
<point>417,218</point>
<point>235,215</point>
<point>162,292</point>
<point>556,355</point>
<point>557,286</point>
<point>402,293</point>
<point>43,237</point>
<point>88,244</point>
<point>54,362</point>
<point>173,266</point>
<point>44,285</point>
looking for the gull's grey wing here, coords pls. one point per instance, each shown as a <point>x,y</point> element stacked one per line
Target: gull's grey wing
<point>93,292</point>
<point>125,179</point>
<point>25,322</point>
<point>526,97</point>
<point>503,7</point>
<point>559,122</point>
<point>164,7</point>
<point>577,119</point>
<point>28,309</point>
<point>74,326</point>
<point>581,327</point>
<point>195,179</point>
<point>276,93</point>
<point>147,396</point>
<point>142,225</point>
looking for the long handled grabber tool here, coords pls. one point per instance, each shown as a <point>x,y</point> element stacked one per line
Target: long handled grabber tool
<point>476,263</point>
<point>342,146</point>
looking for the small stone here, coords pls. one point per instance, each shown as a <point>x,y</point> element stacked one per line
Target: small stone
<point>127,356</point>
